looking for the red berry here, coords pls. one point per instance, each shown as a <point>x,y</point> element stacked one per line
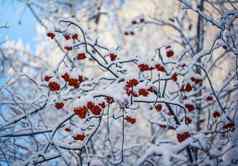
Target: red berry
<point>80,137</point>
<point>73,82</point>
<point>209,98</point>
<point>112,56</point>
<point>188,120</point>
<point>90,105</point>
<point>81,112</point>
<point>143,92</point>
<point>95,109</point>
<point>47,78</point>
<point>75,36</point>
<point>160,68</point>
<point>134,22</point>
<point>59,105</point>
<point>162,126</point>
<point>188,87</point>
<point>190,107</point>
<point>51,35</point>
<point>183,136</point>
<point>102,104</point>
<point>144,67</point>
<point>126,33</point>
<point>216,114</point>
<point>229,125</point>
<point>109,100</point>
<point>66,77</point>
<point>67,37</point>
<point>54,86</point>
<point>130,92</point>
<point>158,107</point>
<point>174,77</point>
<point>81,56</point>
<point>67,129</point>
<point>132,82</point>
<point>68,48</point>
<point>169,53</point>
<point>130,119</point>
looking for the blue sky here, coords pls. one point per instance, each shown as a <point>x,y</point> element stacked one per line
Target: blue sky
<point>21,24</point>
<point>20,20</point>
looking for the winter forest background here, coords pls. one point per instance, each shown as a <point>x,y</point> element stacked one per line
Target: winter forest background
<point>118,82</point>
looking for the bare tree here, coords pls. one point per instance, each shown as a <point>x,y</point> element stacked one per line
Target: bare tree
<point>127,105</point>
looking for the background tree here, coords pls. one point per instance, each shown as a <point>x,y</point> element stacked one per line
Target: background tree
<point>91,97</point>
